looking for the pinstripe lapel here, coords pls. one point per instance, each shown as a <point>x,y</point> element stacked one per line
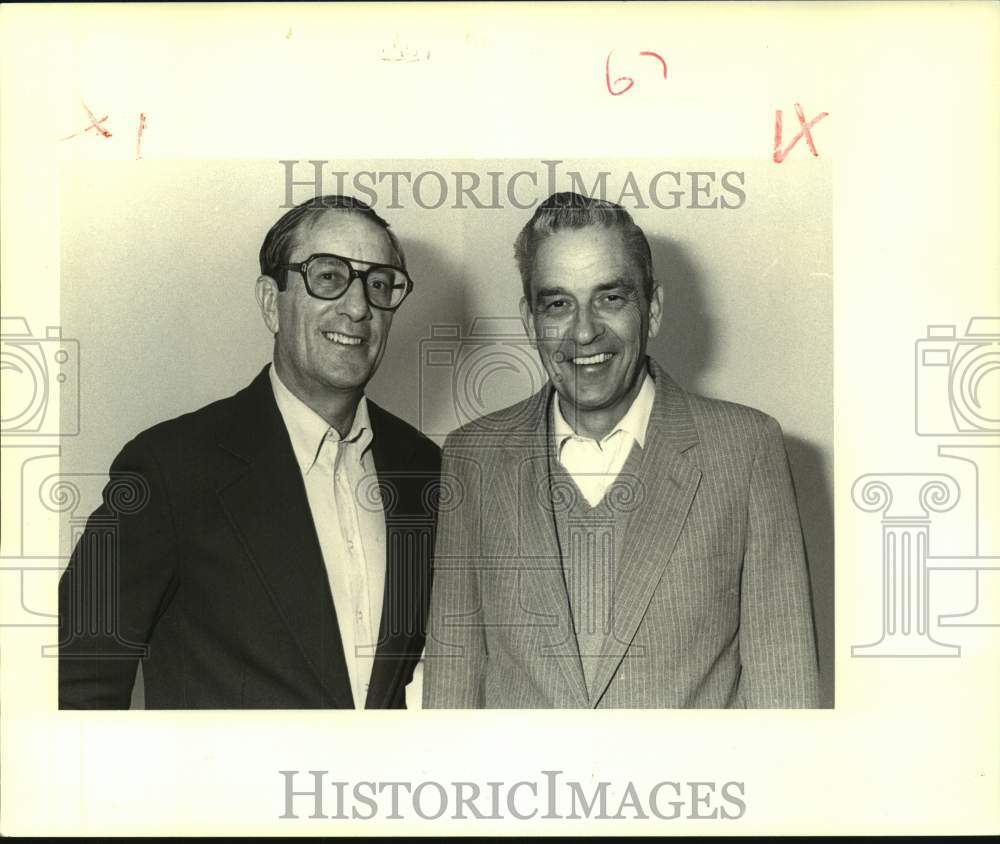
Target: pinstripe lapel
<point>670,480</point>
<point>538,548</point>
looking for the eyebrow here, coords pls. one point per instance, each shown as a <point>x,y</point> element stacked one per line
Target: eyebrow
<point>618,282</point>
<point>550,291</point>
<point>545,292</point>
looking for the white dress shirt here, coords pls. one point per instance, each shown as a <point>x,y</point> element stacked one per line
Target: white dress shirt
<point>595,465</point>
<point>342,491</point>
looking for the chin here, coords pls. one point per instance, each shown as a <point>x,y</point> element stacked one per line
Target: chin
<point>587,402</point>
<point>346,380</point>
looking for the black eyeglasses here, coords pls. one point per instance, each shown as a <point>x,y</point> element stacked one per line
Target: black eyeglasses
<point>329,276</point>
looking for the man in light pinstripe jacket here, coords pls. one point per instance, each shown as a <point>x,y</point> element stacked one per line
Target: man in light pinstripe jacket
<point>614,541</point>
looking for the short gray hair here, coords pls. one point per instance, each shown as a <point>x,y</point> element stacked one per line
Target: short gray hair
<point>567,210</point>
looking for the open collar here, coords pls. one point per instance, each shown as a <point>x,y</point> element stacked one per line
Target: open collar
<point>308,430</point>
<point>634,423</point>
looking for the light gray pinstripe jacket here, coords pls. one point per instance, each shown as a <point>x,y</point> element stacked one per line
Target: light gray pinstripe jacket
<point>711,593</point>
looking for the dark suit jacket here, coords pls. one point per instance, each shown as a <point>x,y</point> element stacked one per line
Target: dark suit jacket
<point>203,561</point>
<point>711,604</point>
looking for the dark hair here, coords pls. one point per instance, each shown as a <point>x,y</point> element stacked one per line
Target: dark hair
<point>567,210</point>
<point>278,243</point>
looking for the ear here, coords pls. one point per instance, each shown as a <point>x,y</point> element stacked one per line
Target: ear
<point>655,309</point>
<point>526,318</point>
<point>266,292</point>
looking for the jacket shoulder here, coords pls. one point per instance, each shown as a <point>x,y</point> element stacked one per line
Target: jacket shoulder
<point>728,424</point>
<point>723,412</point>
<point>518,418</point>
<point>189,428</point>
<point>423,448</point>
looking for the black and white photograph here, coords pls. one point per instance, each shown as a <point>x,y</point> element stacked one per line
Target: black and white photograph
<point>499,419</point>
<point>598,534</point>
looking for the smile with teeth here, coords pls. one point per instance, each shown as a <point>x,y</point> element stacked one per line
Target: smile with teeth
<point>591,360</point>
<point>342,339</point>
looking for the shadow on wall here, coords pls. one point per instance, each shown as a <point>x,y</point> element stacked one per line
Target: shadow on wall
<point>439,299</point>
<point>685,348</point>
<point>812,490</point>
<point>684,344</point>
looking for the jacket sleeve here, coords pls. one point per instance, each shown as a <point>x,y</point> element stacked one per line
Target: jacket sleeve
<point>777,636</point>
<point>120,578</point>
<point>456,654</point>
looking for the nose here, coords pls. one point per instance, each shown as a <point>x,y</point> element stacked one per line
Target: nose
<point>353,303</point>
<point>586,328</point>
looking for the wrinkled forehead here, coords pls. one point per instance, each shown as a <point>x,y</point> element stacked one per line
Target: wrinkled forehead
<point>342,232</point>
<point>578,259</point>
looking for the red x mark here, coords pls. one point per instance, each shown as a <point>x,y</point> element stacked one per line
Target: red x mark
<point>779,154</point>
<point>95,123</point>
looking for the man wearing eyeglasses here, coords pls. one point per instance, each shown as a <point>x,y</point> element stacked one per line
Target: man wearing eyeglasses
<point>271,550</point>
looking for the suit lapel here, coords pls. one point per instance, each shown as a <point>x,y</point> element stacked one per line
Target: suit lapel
<point>267,505</point>
<point>668,480</point>
<point>539,553</point>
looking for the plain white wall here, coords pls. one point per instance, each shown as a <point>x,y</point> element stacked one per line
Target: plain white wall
<point>159,261</point>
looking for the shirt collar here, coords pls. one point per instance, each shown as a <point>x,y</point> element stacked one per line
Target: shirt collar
<point>634,422</point>
<point>307,429</point>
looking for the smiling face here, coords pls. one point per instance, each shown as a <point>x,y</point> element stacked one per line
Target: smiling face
<point>590,320</point>
<point>326,349</point>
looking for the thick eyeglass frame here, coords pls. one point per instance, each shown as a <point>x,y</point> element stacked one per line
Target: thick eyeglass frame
<point>303,268</point>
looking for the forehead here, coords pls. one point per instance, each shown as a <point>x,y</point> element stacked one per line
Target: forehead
<point>342,233</point>
<point>580,259</point>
